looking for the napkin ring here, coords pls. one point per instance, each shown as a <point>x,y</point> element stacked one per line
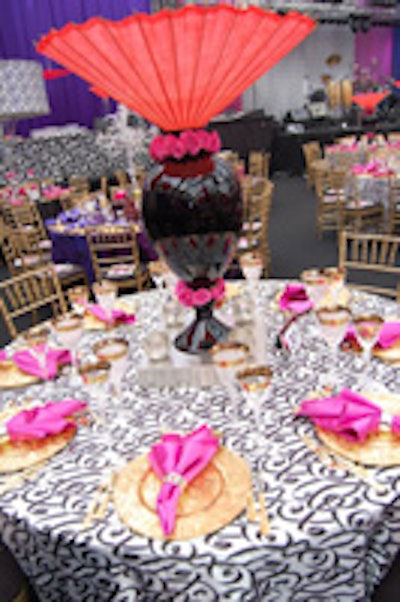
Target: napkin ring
<point>175,479</point>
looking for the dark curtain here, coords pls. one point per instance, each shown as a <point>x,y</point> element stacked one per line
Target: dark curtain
<point>23,22</point>
<point>396,52</point>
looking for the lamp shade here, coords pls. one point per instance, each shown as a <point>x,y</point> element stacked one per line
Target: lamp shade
<point>178,69</point>
<point>22,90</point>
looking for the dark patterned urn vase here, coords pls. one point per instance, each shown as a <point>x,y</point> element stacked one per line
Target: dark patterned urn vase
<point>192,209</point>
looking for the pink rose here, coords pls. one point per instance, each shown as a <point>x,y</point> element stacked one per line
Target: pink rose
<point>184,294</point>
<point>179,149</point>
<point>201,297</point>
<point>218,290</point>
<point>157,150</point>
<point>213,143</point>
<point>192,142</point>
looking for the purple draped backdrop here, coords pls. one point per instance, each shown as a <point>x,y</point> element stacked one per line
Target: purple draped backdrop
<point>374,51</point>
<point>23,22</point>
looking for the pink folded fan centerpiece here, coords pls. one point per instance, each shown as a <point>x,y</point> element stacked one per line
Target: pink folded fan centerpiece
<point>117,316</point>
<point>29,361</point>
<point>294,299</point>
<point>40,422</point>
<point>177,460</point>
<point>349,415</point>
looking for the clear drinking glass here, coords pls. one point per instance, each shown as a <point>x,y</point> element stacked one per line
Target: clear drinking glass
<point>79,298</point>
<point>367,327</point>
<point>316,284</point>
<point>68,330</point>
<point>106,294</point>
<point>252,266</point>
<point>254,382</point>
<point>37,339</point>
<point>228,358</point>
<point>115,351</point>
<point>333,322</point>
<point>336,282</point>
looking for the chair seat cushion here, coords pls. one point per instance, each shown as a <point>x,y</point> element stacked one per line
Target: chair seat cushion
<point>67,269</point>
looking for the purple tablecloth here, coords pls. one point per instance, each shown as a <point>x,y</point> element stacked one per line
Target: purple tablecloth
<point>73,248</point>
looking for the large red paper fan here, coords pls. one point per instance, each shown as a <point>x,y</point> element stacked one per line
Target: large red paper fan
<point>177,68</point>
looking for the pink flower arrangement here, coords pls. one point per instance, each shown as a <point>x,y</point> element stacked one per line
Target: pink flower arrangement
<point>189,143</point>
<point>202,296</point>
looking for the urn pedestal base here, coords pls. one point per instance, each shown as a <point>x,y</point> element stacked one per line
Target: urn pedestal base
<point>203,333</point>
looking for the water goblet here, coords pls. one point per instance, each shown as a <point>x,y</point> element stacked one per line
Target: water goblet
<point>254,382</point>
<point>367,327</point>
<point>68,330</point>
<point>333,322</point>
<point>37,339</point>
<point>316,284</point>
<point>227,357</point>
<point>157,271</point>
<point>79,298</point>
<point>106,294</point>
<point>114,350</point>
<point>336,282</point>
<point>95,375</point>
<point>252,266</point>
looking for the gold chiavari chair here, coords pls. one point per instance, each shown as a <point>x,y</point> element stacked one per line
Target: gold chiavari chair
<point>329,200</point>
<point>122,178</point>
<point>256,164</point>
<point>376,255</point>
<point>115,256</point>
<point>22,296</point>
<point>394,206</point>
<point>79,183</point>
<point>22,251</point>
<point>312,152</point>
<point>255,230</point>
<point>26,216</point>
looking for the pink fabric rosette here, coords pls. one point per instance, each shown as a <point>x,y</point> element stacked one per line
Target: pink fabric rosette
<point>39,422</point>
<point>347,414</point>
<point>29,362</point>
<point>294,299</point>
<point>177,460</point>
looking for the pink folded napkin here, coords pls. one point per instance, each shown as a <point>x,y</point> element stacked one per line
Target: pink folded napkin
<point>118,316</point>
<point>3,355</point>
<point>348,414</point>
<point>30,363</point>
<point>39,422</point>
<point>177,461</point>
<point>294,298</point>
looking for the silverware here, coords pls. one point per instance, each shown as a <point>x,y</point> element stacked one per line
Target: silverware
<point>99,501</point>
<point>256,506</point>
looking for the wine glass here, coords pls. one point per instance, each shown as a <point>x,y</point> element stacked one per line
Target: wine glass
<point>227,358</point>
<point>367,327</point>
<point>316,284</point>
<point>106,294</point>
<point>95,375</point>
<point>79,298</point>
<point>333,322</point>
<point>68,329</point>
<point>115,351</point>
<point>37,339</point>
<point>254,382</point>
<point>336,281</point>
<point>252,266</point>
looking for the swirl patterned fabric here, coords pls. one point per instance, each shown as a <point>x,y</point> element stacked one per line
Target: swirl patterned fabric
<point>333,536</point>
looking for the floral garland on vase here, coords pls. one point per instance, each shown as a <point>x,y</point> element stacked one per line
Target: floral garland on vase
<point>199,297</point>
<point>188,144</point>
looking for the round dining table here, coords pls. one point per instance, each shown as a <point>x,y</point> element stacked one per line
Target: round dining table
<point>334,529</point>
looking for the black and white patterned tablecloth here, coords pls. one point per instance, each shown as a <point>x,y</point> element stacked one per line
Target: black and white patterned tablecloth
<point>332,538</point>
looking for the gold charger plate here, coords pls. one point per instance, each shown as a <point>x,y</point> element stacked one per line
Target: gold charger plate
<point>379,449</point>
<point>211,501</point>
<point>390,354</point>
<point>24,454</point>
<point>11,377</point>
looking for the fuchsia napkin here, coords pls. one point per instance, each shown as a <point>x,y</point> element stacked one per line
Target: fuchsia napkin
<point>389,335</point>
<point>39,422</point>
<point>120,194</point>
<point>294,298</point>
<point>347,414</point>
<point>3,355</point>
<point>177,461</point>
<point>118,315</point>
<point>28,362</point>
